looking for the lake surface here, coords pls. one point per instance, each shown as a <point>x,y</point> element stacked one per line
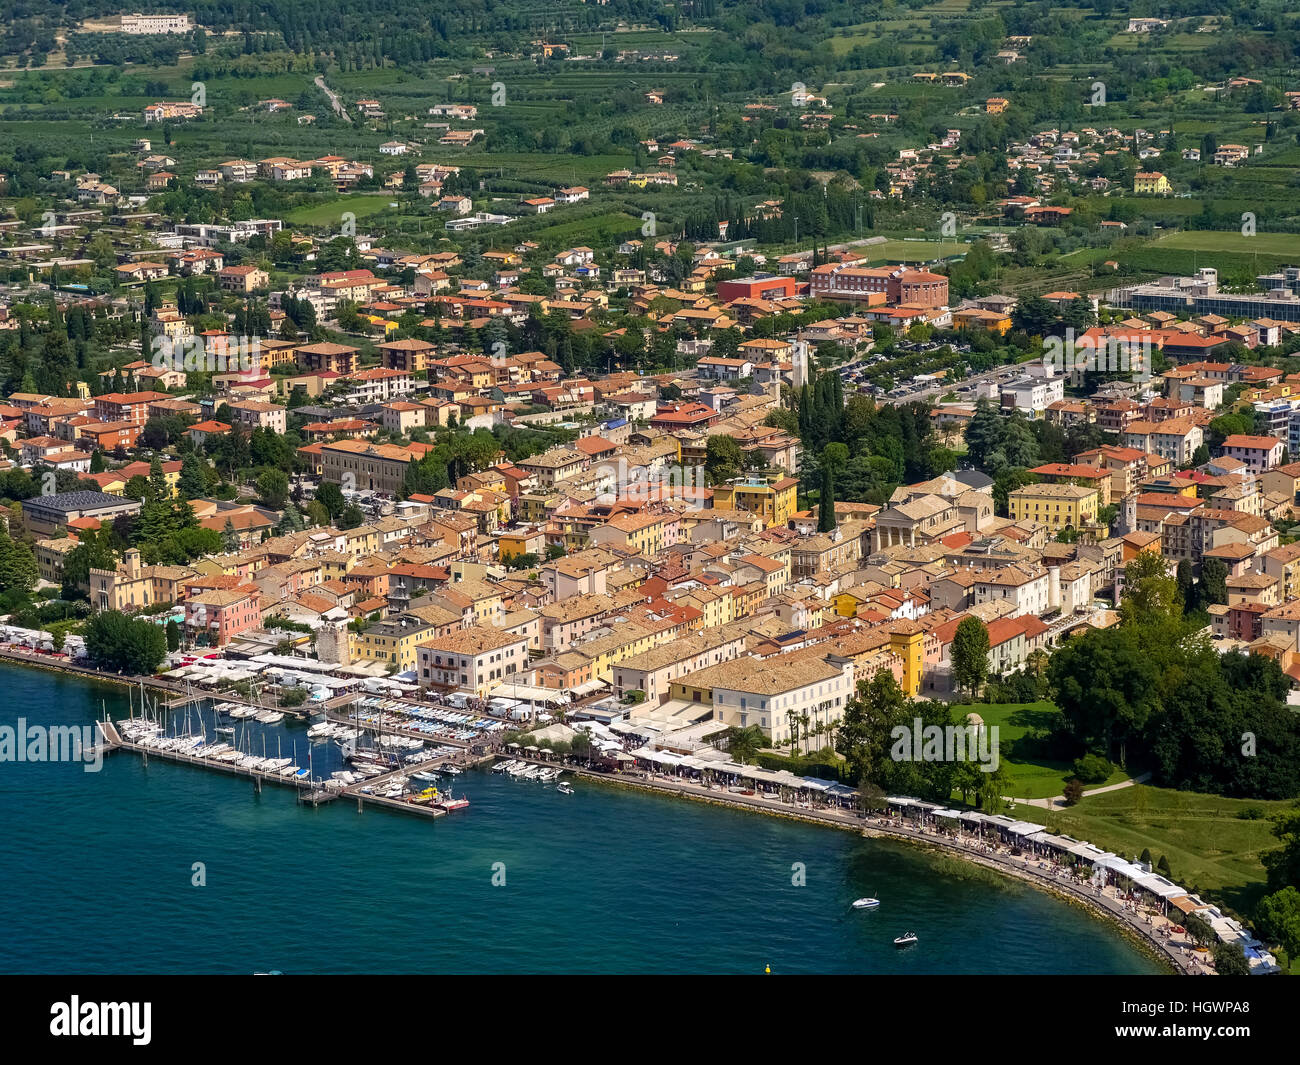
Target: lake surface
<point>97,875</point>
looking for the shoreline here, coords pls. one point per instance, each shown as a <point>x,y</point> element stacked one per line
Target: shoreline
<point>1104,907</point>
<point>1100,906</point>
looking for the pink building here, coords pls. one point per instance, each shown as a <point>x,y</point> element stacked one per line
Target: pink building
<point>222,615</point>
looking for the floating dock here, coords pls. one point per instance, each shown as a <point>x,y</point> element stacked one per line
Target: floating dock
<point>308,792</point>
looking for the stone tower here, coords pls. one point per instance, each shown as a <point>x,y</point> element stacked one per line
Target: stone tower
<point>333,640</point>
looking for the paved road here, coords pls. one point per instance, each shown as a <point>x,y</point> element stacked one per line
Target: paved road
<point>334,98</point>
<point>931,392</point>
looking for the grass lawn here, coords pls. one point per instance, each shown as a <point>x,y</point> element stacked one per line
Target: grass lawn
<point>573,169</point>
<point>1210,849</point>
<point>913,250</point>
<point>323,214</point>
<point>1029,779</point>
<point>1207,240</point>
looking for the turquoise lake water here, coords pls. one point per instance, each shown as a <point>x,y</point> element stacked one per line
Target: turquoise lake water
<point>96,875</point>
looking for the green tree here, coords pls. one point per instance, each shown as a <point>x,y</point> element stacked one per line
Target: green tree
<point>983,434</point>
<point>744,743</point>
<point>193,483</point>
<point>351,517</point>
<point>173,635</point>
<point>1278,917</point>
<point>863,736</point>
<point>18,570</point>
<point>94,550</point>
<point>826,501</point>
<point>330,496</point>
<point>273,487</point>
<point>1283,864</point>
<point>1230,960</point>
<point>1186,584</point>
<point>723,458</point>
<point>1149,590</point>
<point>970,655</point>
<point>1213,587</point>
<point>124,644</point>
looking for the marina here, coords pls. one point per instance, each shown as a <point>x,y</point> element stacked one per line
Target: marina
<point>389,773</point>
<point>573,861</point>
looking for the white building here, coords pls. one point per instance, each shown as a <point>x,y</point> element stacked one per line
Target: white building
<point>1030,592</point>
<point>475,659</point>
<point>775,694</point>
<point>378,385</point>
<point>1033,395</point>
<point>142,25</point>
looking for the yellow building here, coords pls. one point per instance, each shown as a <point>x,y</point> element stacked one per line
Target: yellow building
<point>1054,505</point>
<point>391,642</point>
<point>847,604</point>
<point>774,501</point>
<point>384,323</point>
<point>361,542</point>
<point>526,542</point>
<point>974,318</point>
<point>639,534</point>
<point>1096,477</point>
<point>905,640</point>
<point>1152,182</point>
<point>717,607</point>
<point>534,507</point>
<point>627,640</point>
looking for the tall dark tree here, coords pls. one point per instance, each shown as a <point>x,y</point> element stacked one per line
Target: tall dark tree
<point>826,501</point>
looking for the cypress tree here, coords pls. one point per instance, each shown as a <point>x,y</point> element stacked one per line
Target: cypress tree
<point>826,502</point>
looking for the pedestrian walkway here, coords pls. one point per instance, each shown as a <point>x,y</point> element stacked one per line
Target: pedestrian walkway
<point>1056,802</point>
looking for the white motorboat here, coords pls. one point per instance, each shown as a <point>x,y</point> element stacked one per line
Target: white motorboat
<point>270,717</point>
<point>905,940</point>
<point>865,904</point>
<point>564,788</point>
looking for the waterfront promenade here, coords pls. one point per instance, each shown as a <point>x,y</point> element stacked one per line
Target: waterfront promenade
<point>1153,930</point>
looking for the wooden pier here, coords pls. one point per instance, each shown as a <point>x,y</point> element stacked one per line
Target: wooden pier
<point>255,775</point>
<point>364,791</point>
<point>308,793</point>
<point>394,730</point>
